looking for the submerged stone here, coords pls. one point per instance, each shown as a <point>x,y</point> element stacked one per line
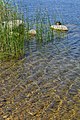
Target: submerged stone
<point>32,32</point>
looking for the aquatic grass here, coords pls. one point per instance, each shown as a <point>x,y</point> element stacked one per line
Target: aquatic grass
<point>11,39</point>
<point>42,25</point>
<point>42,22</point>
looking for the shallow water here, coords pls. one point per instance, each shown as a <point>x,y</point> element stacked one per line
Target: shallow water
<point>45,85</point>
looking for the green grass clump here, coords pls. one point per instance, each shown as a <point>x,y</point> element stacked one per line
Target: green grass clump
<point>11,39</point>
<point>42,23</point>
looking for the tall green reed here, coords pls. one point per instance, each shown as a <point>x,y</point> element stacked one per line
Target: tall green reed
<point>43,23</point>
<point>11,39</point>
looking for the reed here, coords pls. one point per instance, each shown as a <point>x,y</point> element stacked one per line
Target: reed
<point>42,22</point>
<point>11,38</point>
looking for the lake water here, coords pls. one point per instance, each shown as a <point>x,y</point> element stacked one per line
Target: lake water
<point>65,11</point>
<point>46,84</point>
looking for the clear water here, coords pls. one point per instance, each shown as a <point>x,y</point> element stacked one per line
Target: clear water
<point>65,11</point>
<point>46,85</point>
